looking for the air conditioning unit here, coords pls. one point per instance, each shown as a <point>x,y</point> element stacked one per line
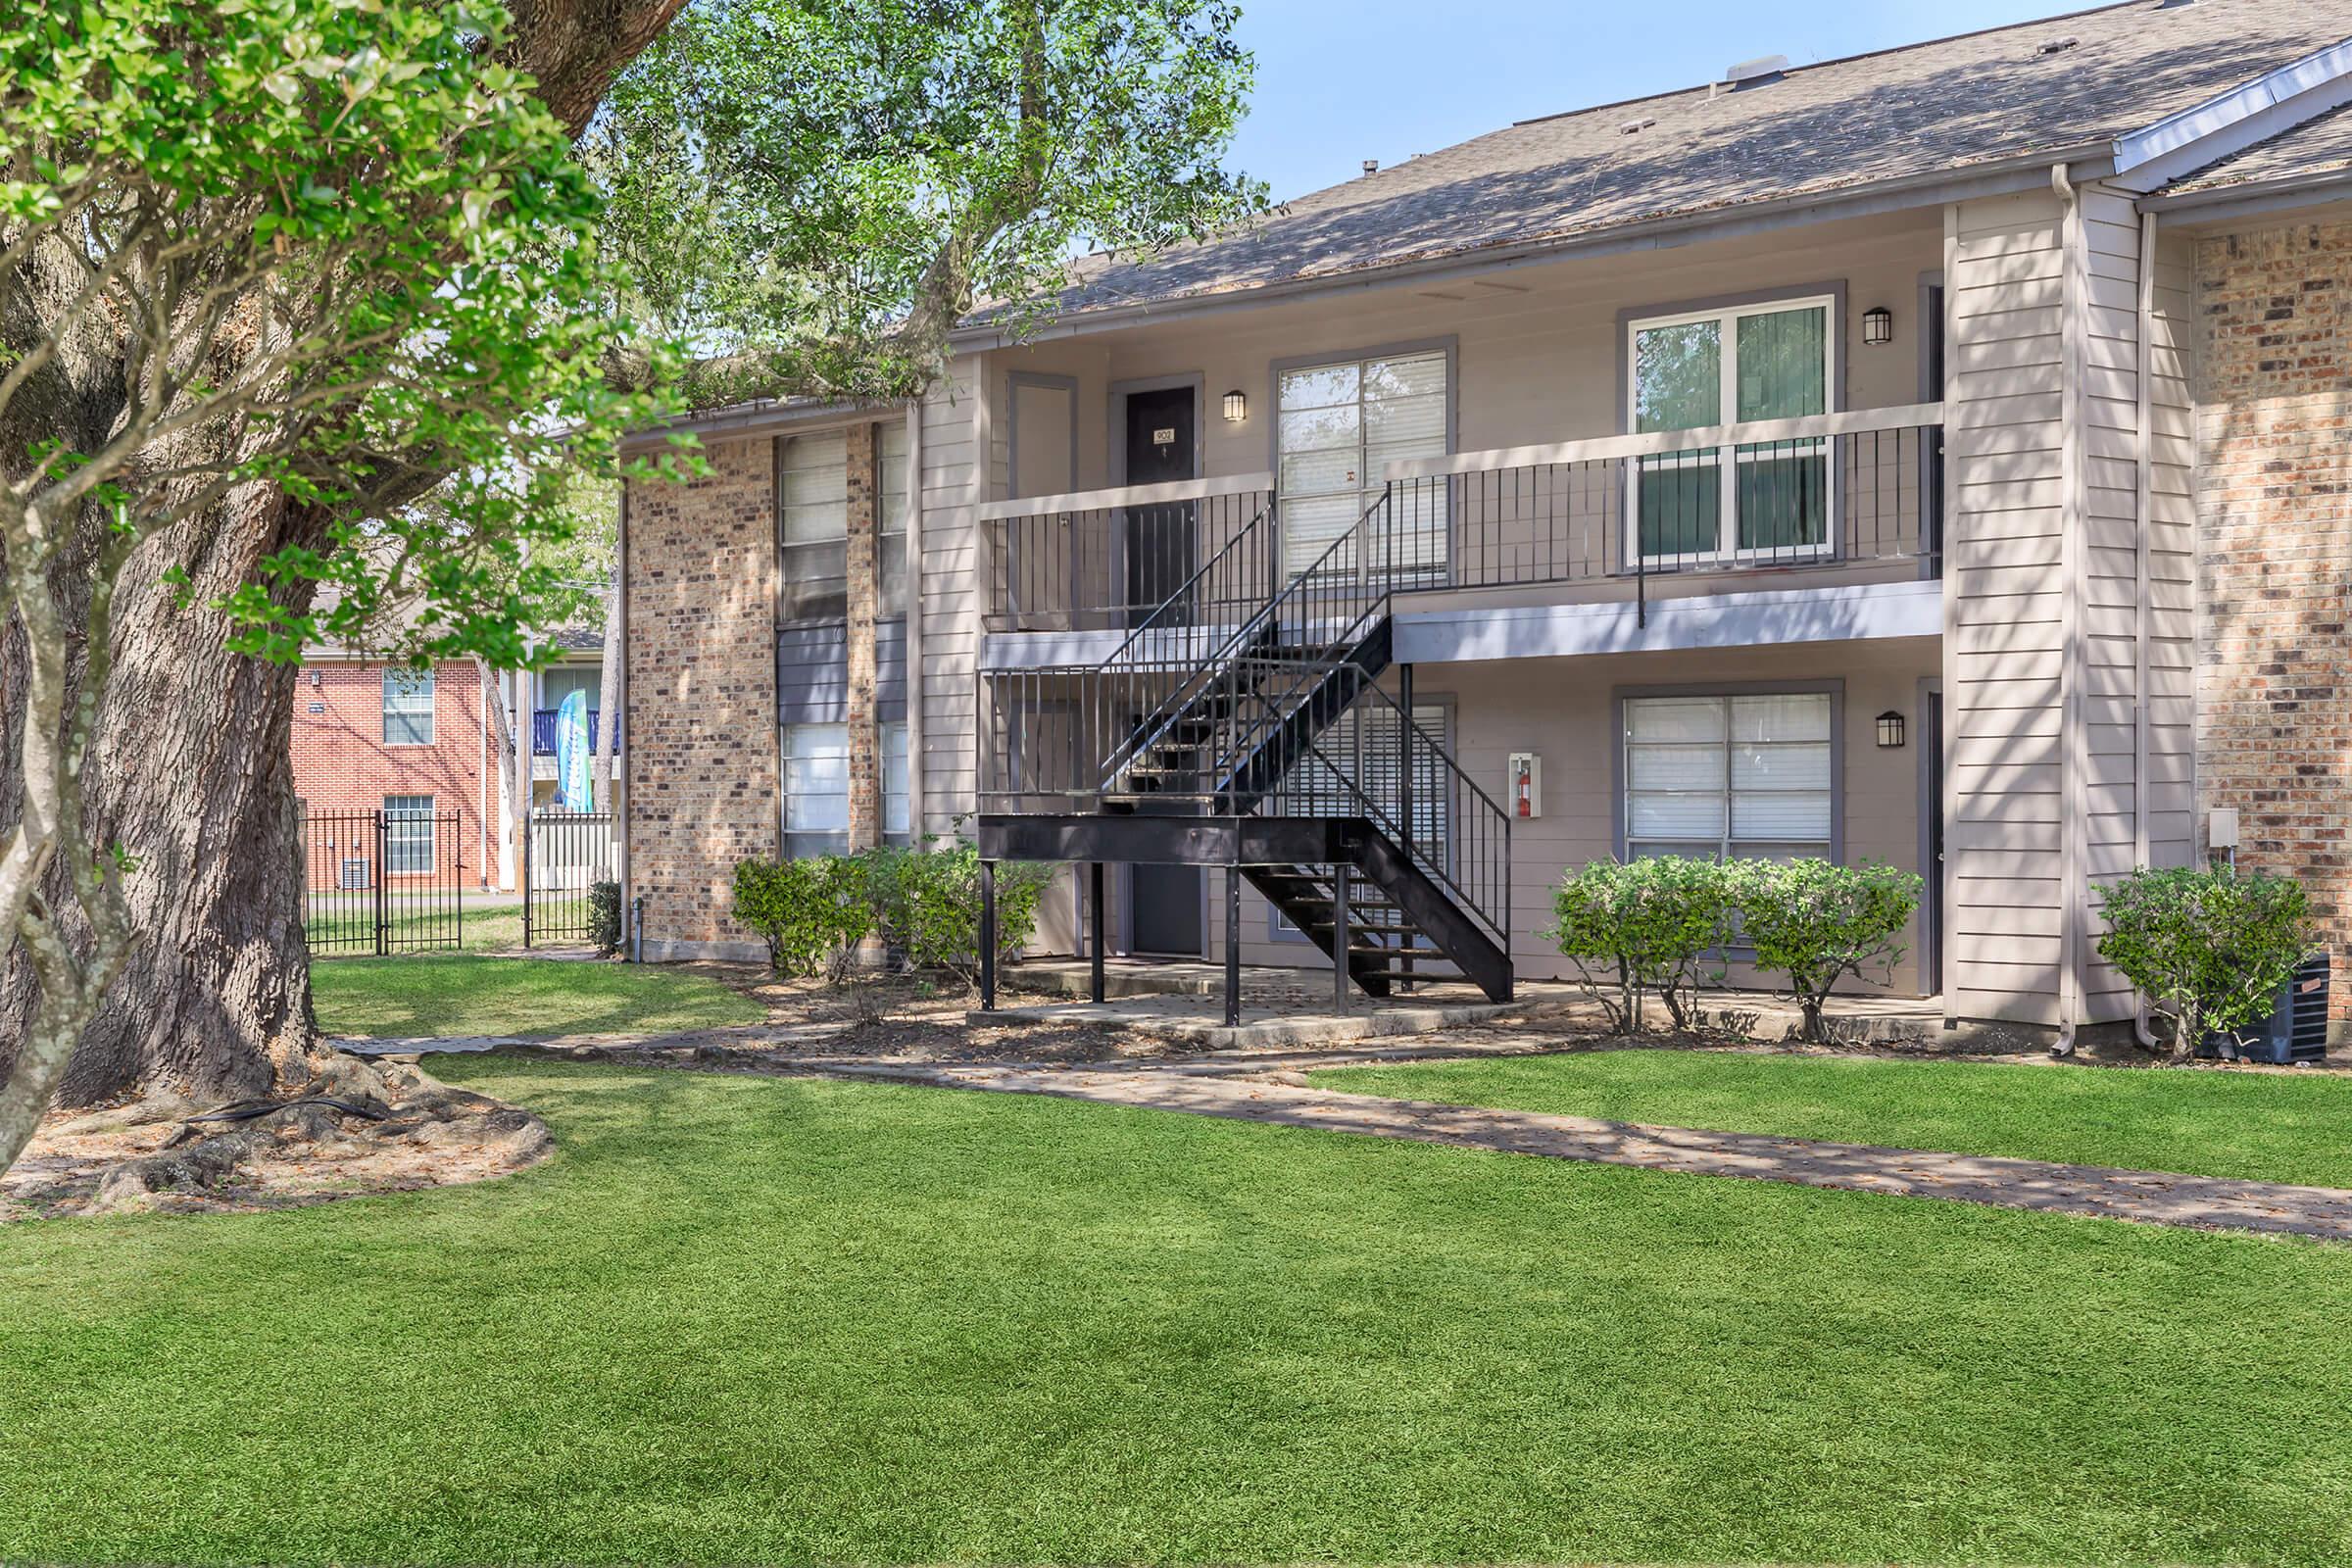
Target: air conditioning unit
<point>354,876</point>
<point>2296,1029</point>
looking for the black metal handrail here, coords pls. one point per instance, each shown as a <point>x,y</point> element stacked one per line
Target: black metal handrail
<point>1321,593</point>
<point>1470,857</point>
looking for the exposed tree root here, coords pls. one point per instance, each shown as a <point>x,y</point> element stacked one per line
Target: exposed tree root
<point>352,1127</point>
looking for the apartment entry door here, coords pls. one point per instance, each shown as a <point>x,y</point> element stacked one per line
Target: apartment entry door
<point>1159,541</point>
<point>1164,902</point>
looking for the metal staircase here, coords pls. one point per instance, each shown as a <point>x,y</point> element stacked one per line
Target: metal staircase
<point>1257,735</point>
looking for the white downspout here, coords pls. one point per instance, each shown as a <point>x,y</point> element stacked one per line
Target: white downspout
<point>2145,519</point>
<point>2071,301</point>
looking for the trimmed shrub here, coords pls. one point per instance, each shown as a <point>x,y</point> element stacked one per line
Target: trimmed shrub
<point>2209,949</point>
<point>811,912</point>
<point>1817,923</point>
<point>603,916</point>
<point>1649,925</point>
<point>928,905</point>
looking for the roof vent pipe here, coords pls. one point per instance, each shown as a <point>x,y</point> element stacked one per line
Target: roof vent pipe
<point>1371,166</point>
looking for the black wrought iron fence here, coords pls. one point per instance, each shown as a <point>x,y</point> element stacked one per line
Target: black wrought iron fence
<point>566,853</point>
<point>379,882</point>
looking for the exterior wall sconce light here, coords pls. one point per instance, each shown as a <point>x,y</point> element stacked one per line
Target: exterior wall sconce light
<point>1237,408</point>
<point>1890,730</point>
<point>1877,327</point>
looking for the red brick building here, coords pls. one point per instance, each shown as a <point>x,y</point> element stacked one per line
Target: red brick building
<point>370,738</point>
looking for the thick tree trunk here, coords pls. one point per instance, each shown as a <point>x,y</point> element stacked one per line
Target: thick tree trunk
<point>192,774</point>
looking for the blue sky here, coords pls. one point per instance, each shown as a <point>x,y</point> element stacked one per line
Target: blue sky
<point>1343,80</point>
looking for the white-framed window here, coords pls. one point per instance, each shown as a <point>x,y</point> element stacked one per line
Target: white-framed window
<point>890,565</point>
<point>815,520</point>
<point>896,800</point>
<point>408,835</point>
<point>1733,365</point>
<point>1338,427</point>
<point>1741,775</point>
<point>816,787</point>
<point>409,706</point>
<point>814,502</point>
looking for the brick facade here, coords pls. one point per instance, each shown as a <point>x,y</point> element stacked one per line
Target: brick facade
<point>341,763</point>
<point>2275,556</point>
<point>864,597</point>
<point>701,727</point>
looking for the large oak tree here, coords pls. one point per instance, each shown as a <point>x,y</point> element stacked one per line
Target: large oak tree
<point>310,308</point>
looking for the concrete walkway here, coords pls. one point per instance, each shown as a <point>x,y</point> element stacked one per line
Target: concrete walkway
<point>2148,1196</point>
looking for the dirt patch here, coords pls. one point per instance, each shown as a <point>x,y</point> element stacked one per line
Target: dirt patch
<point>359,1127</point>
<point>899,1019</point>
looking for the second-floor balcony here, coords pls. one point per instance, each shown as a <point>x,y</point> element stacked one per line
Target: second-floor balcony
<point>1632,517</point>
<point>543,731</point>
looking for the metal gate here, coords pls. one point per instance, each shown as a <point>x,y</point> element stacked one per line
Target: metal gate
<point>381,881</point>
<point>565,854</point>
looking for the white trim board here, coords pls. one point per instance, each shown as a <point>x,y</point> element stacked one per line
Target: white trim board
<point>2201,134</point>
<point>1846,613</point>
<point>1849,613</point>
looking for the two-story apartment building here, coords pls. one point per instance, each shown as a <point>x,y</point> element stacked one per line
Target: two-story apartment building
<point>1936,456</point>
<point>434,751</point>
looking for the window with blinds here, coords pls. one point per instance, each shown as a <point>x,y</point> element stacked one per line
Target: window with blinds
<point>1744,776</point>
<point>409,706</point>
<point>1364,745</point>
<point>814,501</point>
<point>1340,426</point>
<point>408,835</point>
<point>816,788</point>
<point>891,564</point>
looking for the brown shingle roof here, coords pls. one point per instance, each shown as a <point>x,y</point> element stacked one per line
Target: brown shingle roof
<point>1936,108</point>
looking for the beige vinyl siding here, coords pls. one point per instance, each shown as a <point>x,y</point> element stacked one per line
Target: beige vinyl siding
<point>2173,541</point>
<point>2109,619</point>
<point>1563,710</point>
<point>2005,588</point>
<point>955,434</point>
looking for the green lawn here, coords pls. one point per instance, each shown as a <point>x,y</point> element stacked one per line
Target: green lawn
<point>457,994</point>
<point>746,1319</point>
<point>2267,1126</point>
<point>482,928</point>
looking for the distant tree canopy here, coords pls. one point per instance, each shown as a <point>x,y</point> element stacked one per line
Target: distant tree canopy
<point>812,193</point>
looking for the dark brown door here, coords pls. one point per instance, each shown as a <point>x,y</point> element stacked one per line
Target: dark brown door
<point>1160,540</point>
<point>1160,543</point>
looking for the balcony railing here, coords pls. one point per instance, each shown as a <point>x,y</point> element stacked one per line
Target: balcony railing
<point>1107,560</point>
<point>1827,491</point>
<point>543,732</point>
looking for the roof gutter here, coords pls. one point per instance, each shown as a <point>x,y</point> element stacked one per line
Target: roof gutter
<point>1933,188</point>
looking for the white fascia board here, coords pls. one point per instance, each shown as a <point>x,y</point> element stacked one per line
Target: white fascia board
<point>2179,144</point>
<point>1849,613</point>
<point>1846,613</point>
